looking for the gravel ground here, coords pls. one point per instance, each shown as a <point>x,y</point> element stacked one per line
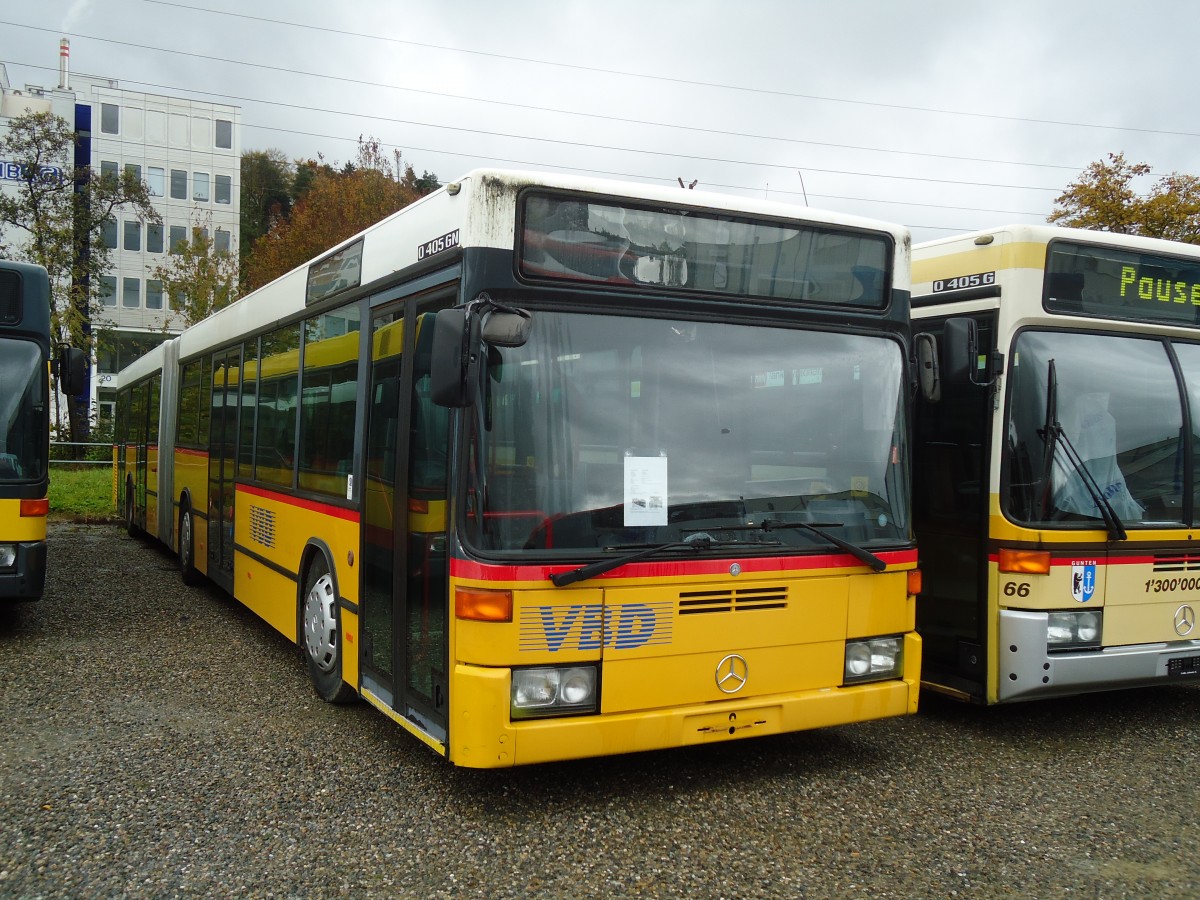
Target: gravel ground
<point>161,741</point>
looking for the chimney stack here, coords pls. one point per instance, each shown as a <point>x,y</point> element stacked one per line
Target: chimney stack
<point>64,64</point>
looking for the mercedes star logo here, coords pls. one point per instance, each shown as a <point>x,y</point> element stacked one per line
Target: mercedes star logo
<point>732,673</point>
<point>1185,621</point>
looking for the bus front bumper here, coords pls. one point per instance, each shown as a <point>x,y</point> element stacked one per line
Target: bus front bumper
<point>486,738</point>
<point>1029,672</point>
<point>25,579</point>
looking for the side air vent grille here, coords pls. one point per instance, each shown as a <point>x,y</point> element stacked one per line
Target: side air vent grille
<point>738,600</point>
<point>1177,562</point>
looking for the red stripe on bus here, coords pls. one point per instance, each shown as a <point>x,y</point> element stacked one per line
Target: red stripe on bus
<point>187,451</point>
<point>328,509</point>
<point>466,568</point>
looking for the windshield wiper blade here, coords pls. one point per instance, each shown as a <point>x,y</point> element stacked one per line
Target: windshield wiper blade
<point>859,553</point>
<point>1055,436</point>
<point>591,570</point>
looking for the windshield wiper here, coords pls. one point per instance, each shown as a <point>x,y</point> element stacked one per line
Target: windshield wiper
<point>1054,436</point>
<point>876,564</point>
<point>591,570</point>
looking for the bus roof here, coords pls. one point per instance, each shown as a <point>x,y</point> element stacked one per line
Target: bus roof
<point>1043,234</point>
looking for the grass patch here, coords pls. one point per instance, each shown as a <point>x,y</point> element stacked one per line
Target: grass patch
<point>81,493</point>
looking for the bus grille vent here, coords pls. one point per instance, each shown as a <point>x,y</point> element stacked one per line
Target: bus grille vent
<point>262,526</point>
<point>1177,562</point>
<point>736,600</point>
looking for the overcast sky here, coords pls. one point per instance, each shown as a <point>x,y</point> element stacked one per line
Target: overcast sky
<point>942,116</point>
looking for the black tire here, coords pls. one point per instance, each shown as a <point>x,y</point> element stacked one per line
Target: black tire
<point>320,633</point>
<point>187,547</point>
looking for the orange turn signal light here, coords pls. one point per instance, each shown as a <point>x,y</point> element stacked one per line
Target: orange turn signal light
<point>1025,562</point>
<point>35,507</point>
<point>914,581</point>
<point>483,605</point>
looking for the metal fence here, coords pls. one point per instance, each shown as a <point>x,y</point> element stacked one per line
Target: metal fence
<point>74,453</point>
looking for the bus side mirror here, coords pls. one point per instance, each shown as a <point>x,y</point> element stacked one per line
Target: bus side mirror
<point>454,367</point>
<point>961,363</point>
<point>961,339</point>
<point>502,328</point>
<point>72,371</point>
<point>929,375</point>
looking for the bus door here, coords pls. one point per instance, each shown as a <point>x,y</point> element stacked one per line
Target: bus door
<point>140,437</point>
<point>222,463</point>
<point>405,575</point>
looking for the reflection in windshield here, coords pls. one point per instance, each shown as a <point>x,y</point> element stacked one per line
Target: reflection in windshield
<point>1119,404</point>
<point>603,432</point>
<point>22,411</point>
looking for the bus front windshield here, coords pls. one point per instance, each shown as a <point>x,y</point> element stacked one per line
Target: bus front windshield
<point>606,432</point>
<point>1114,414</point>
<point>22,411</point>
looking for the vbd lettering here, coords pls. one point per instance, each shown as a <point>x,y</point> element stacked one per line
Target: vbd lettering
<point>591,626</point>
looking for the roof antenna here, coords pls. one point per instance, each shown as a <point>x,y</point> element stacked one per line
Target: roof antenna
<point>801,174</point>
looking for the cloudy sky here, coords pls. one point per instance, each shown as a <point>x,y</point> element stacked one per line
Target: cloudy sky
<point>944,116</point>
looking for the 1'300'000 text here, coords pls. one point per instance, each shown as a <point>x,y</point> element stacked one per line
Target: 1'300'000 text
<point>1159,585</point>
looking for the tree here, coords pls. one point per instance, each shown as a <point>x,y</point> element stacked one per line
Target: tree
<point>197,277</point>
<point>266,194</point>
<point>61,212</point>
<point>335,205</point>
<point>1103,198</point>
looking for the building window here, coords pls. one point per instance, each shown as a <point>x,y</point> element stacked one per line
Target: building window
<point>154,238</point>
<point>131,292</point>
<point>178,238</point>
<point>110,118</point>
<point>178,184</point>
<point>200,187</point>
<point>133,234</point>
<point>134,170</point>
<point>108,233</point>
<point>108,290</point>
<point>224,189</point>
<point>107,168</point>
<point>221,241</point>
<point>156,181</point>
<point>154,293</point>
<point>224,134</point>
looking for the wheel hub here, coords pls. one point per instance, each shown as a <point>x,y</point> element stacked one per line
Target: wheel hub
<point>320,624</point>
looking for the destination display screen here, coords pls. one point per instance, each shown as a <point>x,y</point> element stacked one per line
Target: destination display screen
<point>1122,284</point>
<point>694,250</point>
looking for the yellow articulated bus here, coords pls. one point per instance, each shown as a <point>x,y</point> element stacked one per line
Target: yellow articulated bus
<point>547,467</point>
<point>1057,478</point>
<point>25,425</point>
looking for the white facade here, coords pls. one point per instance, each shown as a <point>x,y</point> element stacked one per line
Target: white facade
<point>188,153</point>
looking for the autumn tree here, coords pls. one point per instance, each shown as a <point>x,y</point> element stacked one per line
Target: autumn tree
<point>335,204</point>
<point>56,218</point>
<point>1104,198</point>
<point>198,278</point>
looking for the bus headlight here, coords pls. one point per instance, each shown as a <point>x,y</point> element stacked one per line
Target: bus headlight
<point>873,660</point>
<point>8,555</point>
<point>1078,628</point>
<point>546,691</point>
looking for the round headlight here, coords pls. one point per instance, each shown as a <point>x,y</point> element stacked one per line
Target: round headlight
<point>576,687</point>
<point>1088,627</point>
<point>858,659</point>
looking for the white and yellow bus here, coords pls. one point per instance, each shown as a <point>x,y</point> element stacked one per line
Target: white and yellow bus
<point>547,467</point>
<point>1057,478</point>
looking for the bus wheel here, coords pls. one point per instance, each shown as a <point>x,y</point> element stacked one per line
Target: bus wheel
<point>321,634</point>
<point>187,548</point>
<point>131,526</point>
